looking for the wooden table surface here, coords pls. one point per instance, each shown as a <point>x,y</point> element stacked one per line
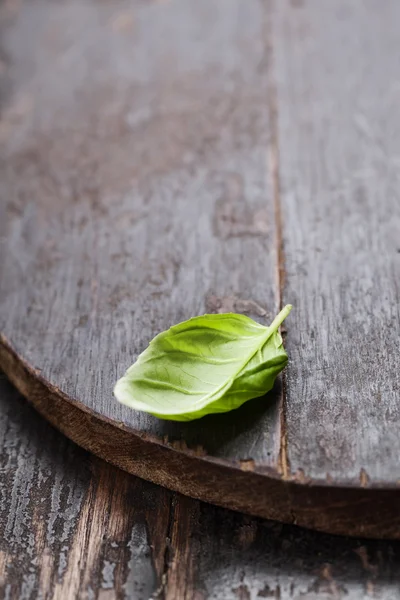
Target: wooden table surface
<point>73,526</point>
<point>160,160</point>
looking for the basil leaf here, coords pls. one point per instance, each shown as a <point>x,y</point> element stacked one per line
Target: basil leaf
<point>209,364</point>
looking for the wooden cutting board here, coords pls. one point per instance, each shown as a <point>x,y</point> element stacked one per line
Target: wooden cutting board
<point>160,160</point>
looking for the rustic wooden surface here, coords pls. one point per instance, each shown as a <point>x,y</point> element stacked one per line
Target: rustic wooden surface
<point>161,159</point>
<point>338,126</point>
<point>72,526</point>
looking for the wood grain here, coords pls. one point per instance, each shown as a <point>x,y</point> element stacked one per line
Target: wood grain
<point>338,83</point>
<point>134,194</point>
<point>163,159</point>
<point>135,188</point>
<point>72,526</point>
<point>368,511</point>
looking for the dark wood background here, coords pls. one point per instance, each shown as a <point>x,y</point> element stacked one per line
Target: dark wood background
<point>162,159</point>
<point>72,526</point>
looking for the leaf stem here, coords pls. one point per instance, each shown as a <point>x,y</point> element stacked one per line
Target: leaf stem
<point>277,322</point>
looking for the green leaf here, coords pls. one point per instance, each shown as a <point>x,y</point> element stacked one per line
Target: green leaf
<point>209,364</point>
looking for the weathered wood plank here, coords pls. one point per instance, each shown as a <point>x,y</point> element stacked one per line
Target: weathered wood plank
<point>72,526</point>
<point>227,555</point>
<point>136,190</point>
<point>337,76</point>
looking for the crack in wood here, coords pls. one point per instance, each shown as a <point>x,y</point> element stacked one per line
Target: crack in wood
<point>161,591</point>
<point>273,162</point>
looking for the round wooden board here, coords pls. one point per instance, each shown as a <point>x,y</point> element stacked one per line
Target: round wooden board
<point>153,168</point>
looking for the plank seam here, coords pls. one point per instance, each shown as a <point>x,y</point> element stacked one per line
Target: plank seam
<point>273,171</point>
<point>162,590</point>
